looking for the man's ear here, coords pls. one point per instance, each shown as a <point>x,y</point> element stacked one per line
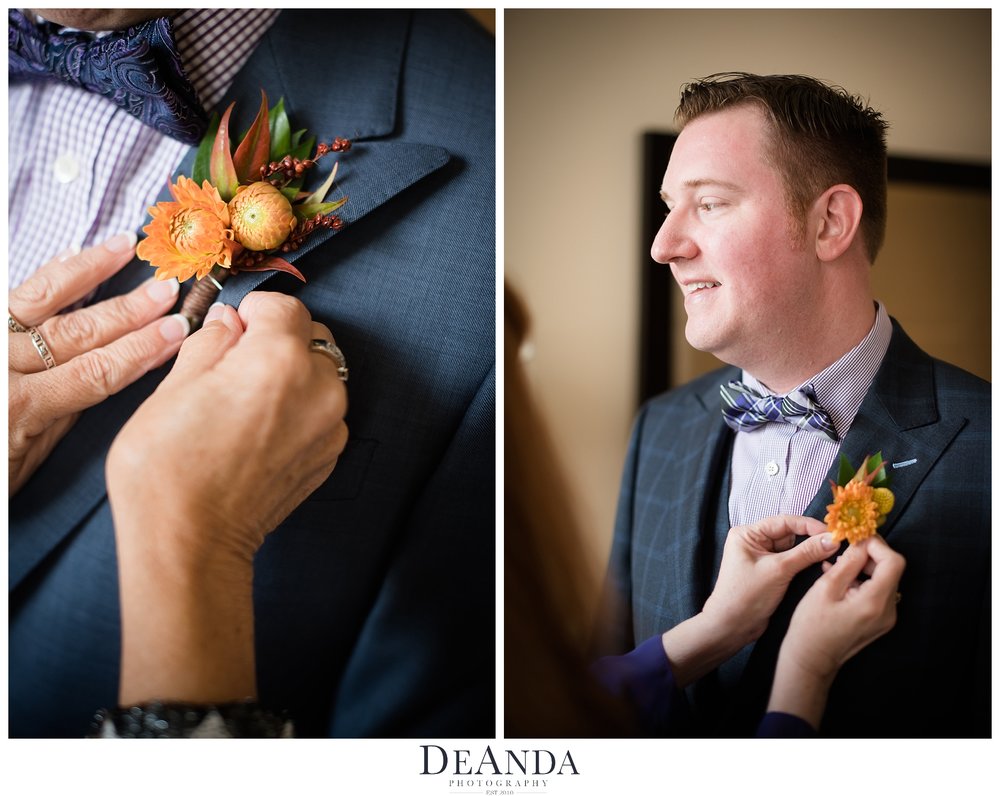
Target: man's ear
<point>838,212</point>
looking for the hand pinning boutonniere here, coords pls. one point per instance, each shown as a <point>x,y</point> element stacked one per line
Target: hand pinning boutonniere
<point>242,208</point>
<point>861,499</point>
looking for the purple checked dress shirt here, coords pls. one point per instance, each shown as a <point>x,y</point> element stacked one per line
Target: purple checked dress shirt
<point>81,169</point>
<point>778,468</point>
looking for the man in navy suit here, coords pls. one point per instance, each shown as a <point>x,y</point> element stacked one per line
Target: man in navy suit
<point>371,598</point>
<point>776,209</point>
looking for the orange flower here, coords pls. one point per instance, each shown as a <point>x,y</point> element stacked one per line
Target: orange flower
<point>854,513</point>
<point>189,236</point>
<point>262,216</point>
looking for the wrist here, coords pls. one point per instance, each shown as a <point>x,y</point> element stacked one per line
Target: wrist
<point>738,629</point>
<point>807,659</point>
<point>187,623</point>
<point>800,689</point>
<point>156,532</point>
<point>698,645</point>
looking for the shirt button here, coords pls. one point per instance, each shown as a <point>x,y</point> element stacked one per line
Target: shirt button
<point>771,469</point>
<point>66,168</point>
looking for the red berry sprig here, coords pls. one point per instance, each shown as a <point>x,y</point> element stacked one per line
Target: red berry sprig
<point>281,172</point>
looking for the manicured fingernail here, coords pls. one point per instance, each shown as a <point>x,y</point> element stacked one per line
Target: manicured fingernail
<point>65,254</point>
<point>121,242</point>
<point>174,328</point>
<point>826,540</point>
<point>215,312</point>
<point>161,290</point>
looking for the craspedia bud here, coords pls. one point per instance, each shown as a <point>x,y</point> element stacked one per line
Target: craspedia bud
<point>884,499</point>
<point>260,216</point>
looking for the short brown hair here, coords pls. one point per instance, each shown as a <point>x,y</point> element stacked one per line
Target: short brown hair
<point>822,136</point>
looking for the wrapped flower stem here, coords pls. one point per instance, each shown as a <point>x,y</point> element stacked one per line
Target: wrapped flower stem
<point>202,295</point>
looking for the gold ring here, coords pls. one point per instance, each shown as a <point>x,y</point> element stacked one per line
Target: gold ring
<point>14,324</point>
<point>42,348</point>
<point>331,350</point>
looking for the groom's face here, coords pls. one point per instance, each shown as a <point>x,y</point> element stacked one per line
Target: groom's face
<point>100,18</point>
<point>732,244</point>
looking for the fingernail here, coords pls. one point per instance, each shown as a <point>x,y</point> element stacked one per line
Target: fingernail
<point>121,242</point>
<point>215,312</point>
<point>174,328</point>
<point>161,290</point>
<point>826,540</point>
<point>65,254</point>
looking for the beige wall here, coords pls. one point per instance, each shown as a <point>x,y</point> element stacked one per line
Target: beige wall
<point>582,86</point>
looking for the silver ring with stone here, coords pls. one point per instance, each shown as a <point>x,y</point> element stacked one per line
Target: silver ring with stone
<point>331,350</point>
<point>42,348</point>
<point>14,324</point>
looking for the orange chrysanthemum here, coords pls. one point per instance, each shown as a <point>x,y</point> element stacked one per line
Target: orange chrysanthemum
<point>262,217</point>
<point>854,513</point>
<point>191,235</point>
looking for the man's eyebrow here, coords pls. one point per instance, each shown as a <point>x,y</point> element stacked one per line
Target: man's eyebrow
<point>705,182</point>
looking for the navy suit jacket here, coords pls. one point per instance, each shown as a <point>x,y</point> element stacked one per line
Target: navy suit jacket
<point>929,417</point>
<point>375,599</point>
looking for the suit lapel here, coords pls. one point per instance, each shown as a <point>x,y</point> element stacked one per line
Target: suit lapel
<point>361,103</point>
<point>710,475</point>
<point>370,174</point>
<point>898,417</point>
<point>685,530</point>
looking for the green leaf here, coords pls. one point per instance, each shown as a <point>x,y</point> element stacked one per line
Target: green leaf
<point>845,472</point>
<point>281,141</point>
<point>221,169</point>
<point>291,191</point>
<point>305,211</point>
<point>304,149</point>
<point>200,172</point>
<point>295,141</point>
<point>874,462</point>
<point>254,149</point>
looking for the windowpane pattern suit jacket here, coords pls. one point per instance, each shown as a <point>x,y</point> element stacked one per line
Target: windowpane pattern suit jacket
<point>930,675</point>
<point>374,600</point>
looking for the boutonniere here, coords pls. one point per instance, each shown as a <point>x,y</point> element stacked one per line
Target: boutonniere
<point>861,499</point>
<point>243,206</point>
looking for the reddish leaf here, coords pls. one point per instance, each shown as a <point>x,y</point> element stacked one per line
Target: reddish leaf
<point>221,169</point>
<point>276,264</point>
<point>254,150</point>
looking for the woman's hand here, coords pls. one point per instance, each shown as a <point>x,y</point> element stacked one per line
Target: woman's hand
<point>245,426</point>
<point>97,350</point>
<point>836,618</point>
<point>247,423</point>
<point>758,563</point>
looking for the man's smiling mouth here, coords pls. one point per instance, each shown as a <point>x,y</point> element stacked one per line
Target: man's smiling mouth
<point>694,287</point>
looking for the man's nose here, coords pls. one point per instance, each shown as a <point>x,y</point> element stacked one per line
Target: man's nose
<point>672,242</point>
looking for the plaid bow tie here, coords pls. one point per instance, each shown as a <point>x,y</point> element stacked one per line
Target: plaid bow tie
<point>745,409</point>
<point>138,69</point>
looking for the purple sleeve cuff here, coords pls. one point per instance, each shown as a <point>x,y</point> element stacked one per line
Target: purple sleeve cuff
<point>643,680</point>
<point>784,725</point>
